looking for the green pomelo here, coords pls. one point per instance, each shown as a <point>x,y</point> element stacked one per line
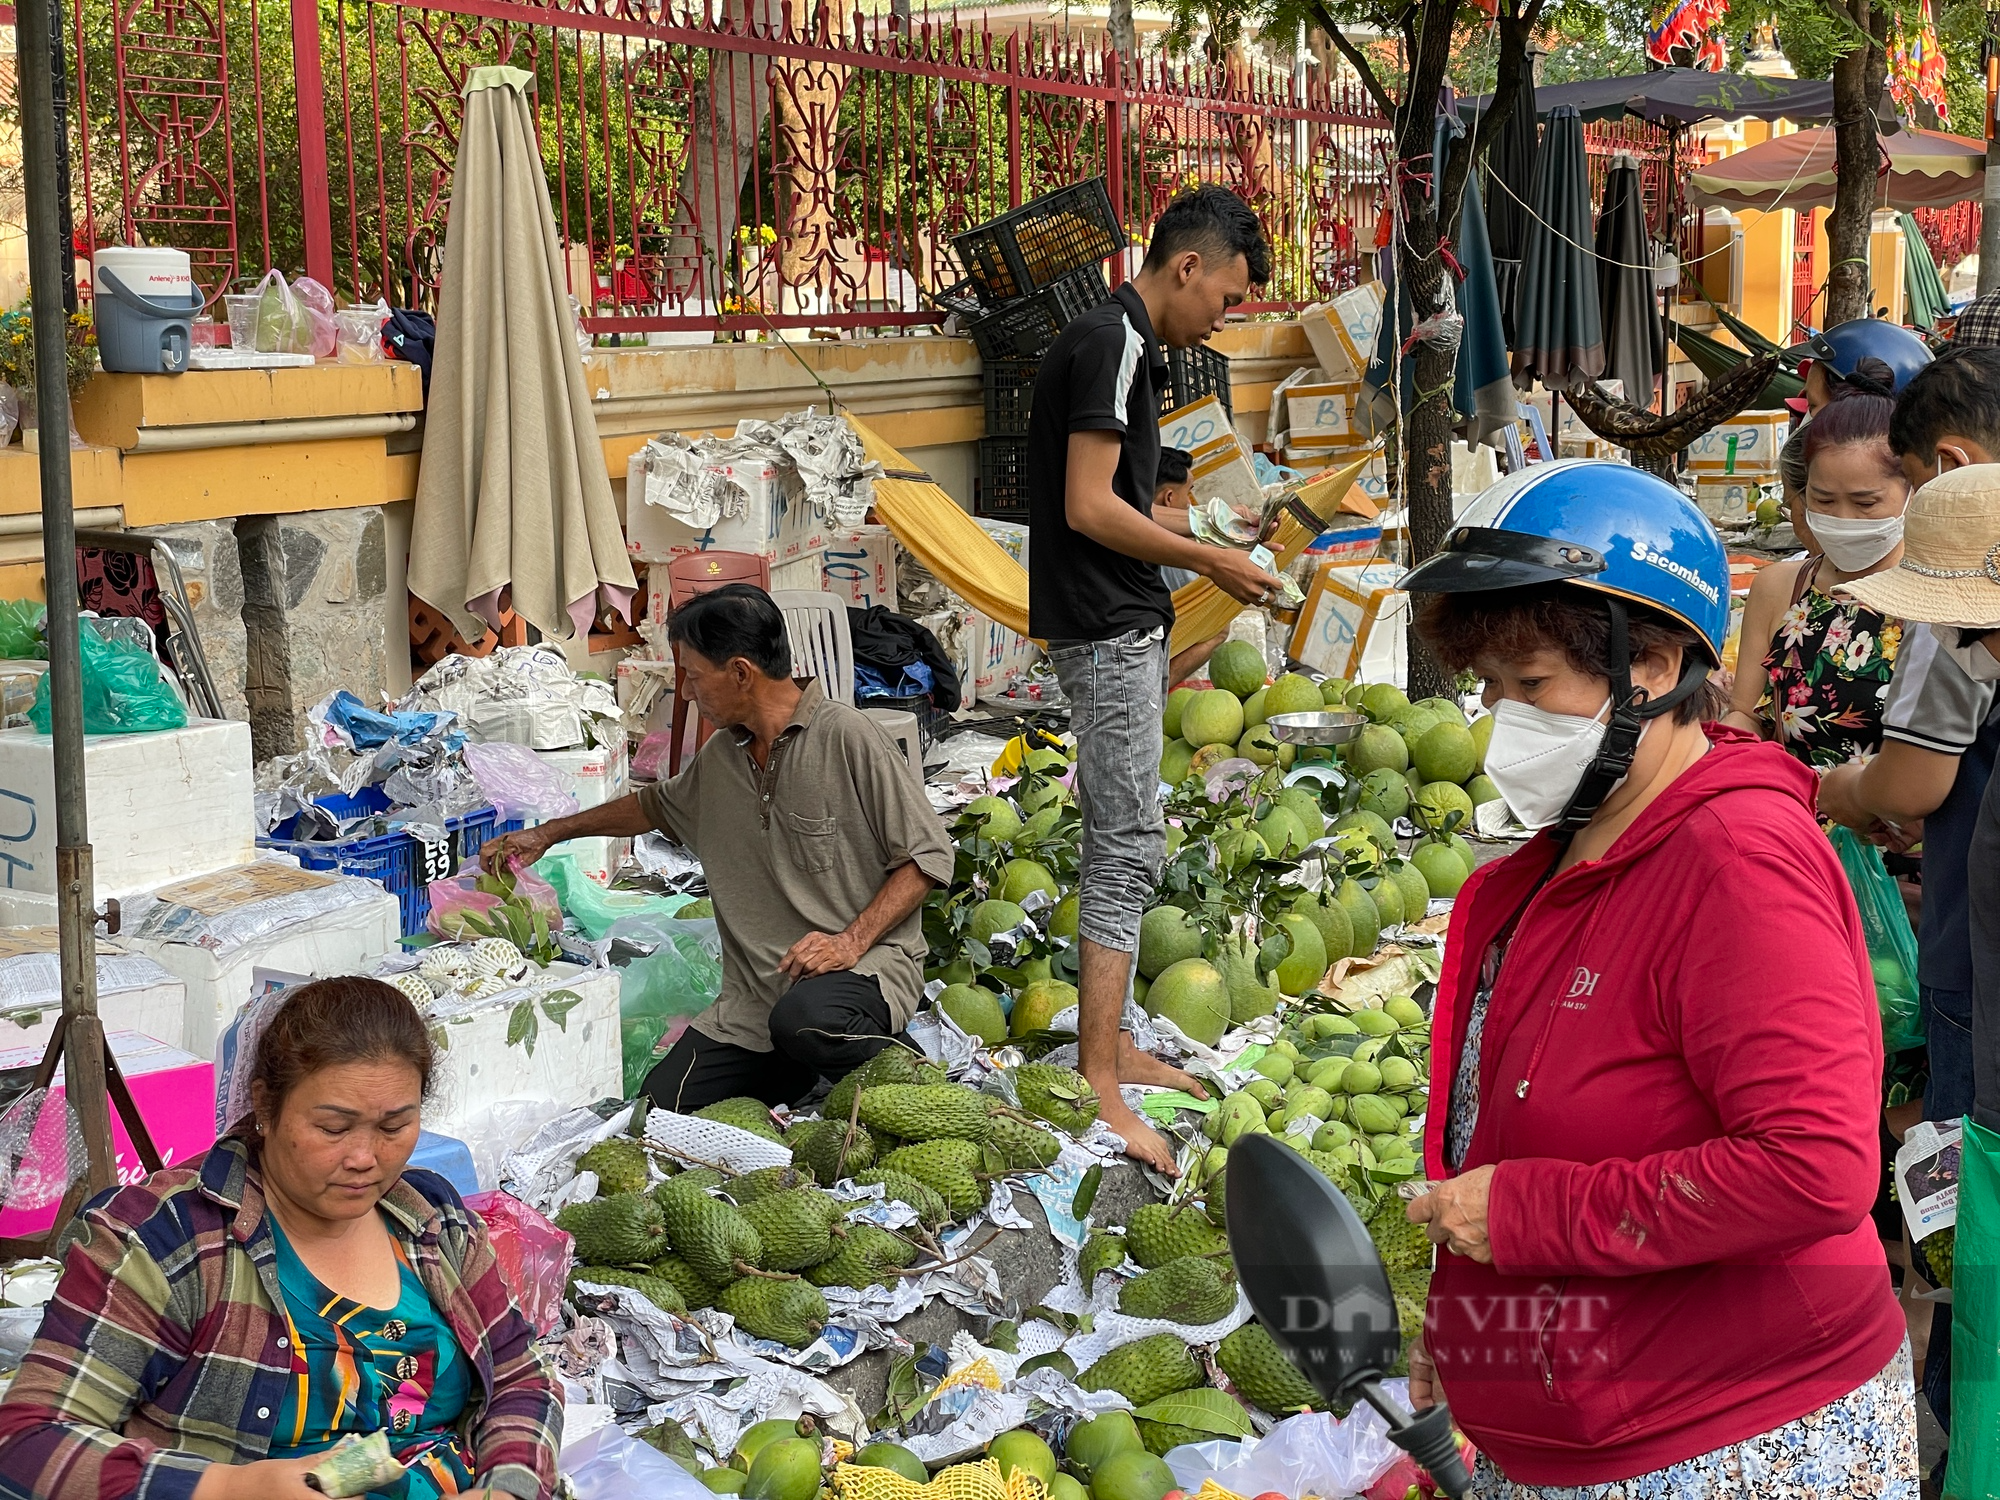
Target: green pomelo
<point>1388,899</point>
<point>1038,795</point>
<point>1378,748</point>
<point>787,1469</point>
<point>1207,756</point>
<point>992,916</point>
<point>1371,823</point>
<point>1302,969</point>
<point>1443,871</point>
<point>1048,760</point>
<point>1258,744</point>
<point>1040,1003</point>
<point>1294,693</point>
<point>1039,826</point>
<point>1166,936</point>
<point>1304,806</point>
<point>997,819</point>
<point>1097,1440</point>
<point>1062,920</point>
<point>1385,793</point>
<point>1254,710</point>
<point>1444,708</point>
<point>1237,668</point>
<point>1445,753</point>
<point>1440,798</point>
<point>1170,717</point>
<point>1022,1449</point>
<point>1175,758</point>
<point>976,1010</point>
<point>1465,853</point>
<point>1333,691</point>
<point>1235,850</point>
<point>896,1459</point>
<point>1336,928</point>
<point>1481,789</point>
<point>1482,736</point>
<point>758,1435</point>
<point>1416,890</point>
<point>1212,718</point>
<point>723,1481</point>
<point>1132,1476</point>
<point>1194,996</point>
<point>1381,700</point>
<point>1062,1487</point>
<point>1281,832</point>
<point>1362,914</point>
<point>1018,877</point>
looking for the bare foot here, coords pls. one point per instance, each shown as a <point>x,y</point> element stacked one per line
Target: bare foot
<point>1135,1066</point>
<point>1142,1142</point>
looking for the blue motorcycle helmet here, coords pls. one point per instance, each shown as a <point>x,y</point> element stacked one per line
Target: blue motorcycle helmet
<point>1842,347</point>
<point>1620,533</point>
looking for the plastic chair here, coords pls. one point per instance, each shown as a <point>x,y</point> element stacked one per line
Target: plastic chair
<point>821,647</point>
<point>688,575</point>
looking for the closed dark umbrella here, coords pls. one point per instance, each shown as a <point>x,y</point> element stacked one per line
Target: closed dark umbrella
<point>1558,328</point>
<point>1924,299</point>
<point>1634,340</point>
<point>1510,188</point>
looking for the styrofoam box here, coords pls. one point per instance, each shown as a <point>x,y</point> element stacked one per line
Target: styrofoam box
<point>219,984</point>
<point>163,806</point>
<point>574,1064</point>
<point>594,777</point>
<point>1196,425</point>
<point>143,997</point>
<point>796,572</point>
<point>1343,332</point>
<point>860,566</point>
<point>1223,469</point>
<point>1727,501</point>
<point>1747,444</point>
<point>1000,657</point>
<point>772,522</point>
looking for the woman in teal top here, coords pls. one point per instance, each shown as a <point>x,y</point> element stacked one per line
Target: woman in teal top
<point>366,1369</point>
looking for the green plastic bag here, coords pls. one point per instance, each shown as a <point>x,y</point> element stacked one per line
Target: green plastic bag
<point>1973,1472</point>
<point>123,692</point>
<point>21,622</point>
<point>1892,947</point>
<point>677,980</point>
<point>596,908</point>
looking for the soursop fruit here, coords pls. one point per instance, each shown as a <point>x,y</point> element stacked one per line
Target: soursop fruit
<point>925,1112</point>
<point>1158,1233</point>
<point>865,1257</point>
<point>620,1165</point>
<point>1262,1374</point>
<point>948,1168</point>
<point>753,1115</point>
<point>1062,1096</point>
<point>893,1064</point>
<point>931,1208</point>
<point>696,1289</point>
<point>710,1235</point>
<point>788,1311</point>
<point>1103,1251</point>
<point>1188,1290</point>
<point>657,1290</point>
<point>625,1229</point>
<point>795,1227</point>
<point>1145,1370</point>
<point>765,1181</point>
<point>1022,1147</point>
<point>825,1149</point>
<point>696,1180</point>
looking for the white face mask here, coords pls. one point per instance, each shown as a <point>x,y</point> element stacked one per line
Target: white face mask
<point>1978,663</point>
<point>1536,758</point>
<point>1852,545</point>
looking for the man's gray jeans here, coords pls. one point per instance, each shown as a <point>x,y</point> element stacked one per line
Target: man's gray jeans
<point>1117,690</point>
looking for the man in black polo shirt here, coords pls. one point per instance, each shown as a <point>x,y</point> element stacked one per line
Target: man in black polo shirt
<point>1096,596</point>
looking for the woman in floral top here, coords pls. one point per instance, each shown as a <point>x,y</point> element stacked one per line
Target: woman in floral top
<point>1824,663</point>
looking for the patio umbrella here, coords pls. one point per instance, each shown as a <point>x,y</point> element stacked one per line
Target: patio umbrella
<point>1634,340</point>
<point>514,502</point>
<point>1920,169</point>
<point>1923,289</point>
<point>1511,182</point>
<point>1559,331</point>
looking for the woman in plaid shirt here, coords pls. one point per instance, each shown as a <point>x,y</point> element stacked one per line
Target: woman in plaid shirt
<point>222,1324</point>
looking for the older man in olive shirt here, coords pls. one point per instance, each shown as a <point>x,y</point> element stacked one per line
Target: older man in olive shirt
<point>819,847</point>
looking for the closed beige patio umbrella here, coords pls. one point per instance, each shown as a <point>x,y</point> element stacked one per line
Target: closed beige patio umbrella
<point>514,504</point>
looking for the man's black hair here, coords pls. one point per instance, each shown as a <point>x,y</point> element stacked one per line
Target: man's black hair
<point>1959,392</point>
<point>1216,224</point>
<point>738,619</point>
<point>1175,465</point>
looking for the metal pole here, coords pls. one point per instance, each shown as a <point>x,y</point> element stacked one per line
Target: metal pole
<point>1989,222</point>
<point>42,150</point>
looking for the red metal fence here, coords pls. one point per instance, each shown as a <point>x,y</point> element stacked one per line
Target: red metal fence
<point>708,169</point>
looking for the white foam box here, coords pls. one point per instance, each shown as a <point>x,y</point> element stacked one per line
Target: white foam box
<point>1000,657</point>
<point>1223,469</point>
<point>860,566</point>
<point>773,521</point>
<point>220,984</point>
<point>1196,425</point>
<point>575,1063</point>
<point>1322,409</point>
<point>594,777</point>
<point>1747,444</point>
<point>1343,332</point>
<point>134,993</point>
<point>1728,502</point>
<point>799,571</point>
<point>1352,623</point>
<point>957,632</point>
<point>162,806</point>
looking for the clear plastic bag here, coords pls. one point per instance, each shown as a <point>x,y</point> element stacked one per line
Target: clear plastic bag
<point>609,1465</point>
<point>518,782</point>
<point>123,692</point>
<point>22,623</point>
<point>1312,1453</point>
<point>460,896</point>
<point>320,309</point>
<point>677,980</point>
<point>1892,947</point>
<point>284,326</point>
<point>533,1255</point>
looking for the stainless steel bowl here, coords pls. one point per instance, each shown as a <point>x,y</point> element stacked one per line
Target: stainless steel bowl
<point>1331,726</point>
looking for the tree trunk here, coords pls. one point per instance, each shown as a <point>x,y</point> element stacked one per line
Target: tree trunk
<point>1124,34</point>
<point>727,115</point>
<point>1857,90</point>
<point>808,139</point>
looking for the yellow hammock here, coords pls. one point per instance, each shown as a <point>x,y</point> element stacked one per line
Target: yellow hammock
<point>975,567</point>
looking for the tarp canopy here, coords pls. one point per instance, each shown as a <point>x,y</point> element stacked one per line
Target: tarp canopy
<point>1919,169</point>
<point>1681,96</point>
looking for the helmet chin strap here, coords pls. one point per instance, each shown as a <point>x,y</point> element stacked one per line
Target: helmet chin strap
<point>1631,707</point>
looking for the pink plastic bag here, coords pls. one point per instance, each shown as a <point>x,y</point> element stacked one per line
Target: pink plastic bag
<point>519,783</point>
<point>319,308</point>
<point>461,896</point>
<point>533,1254</point>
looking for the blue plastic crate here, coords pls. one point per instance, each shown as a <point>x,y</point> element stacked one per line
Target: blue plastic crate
<point>401,863</point>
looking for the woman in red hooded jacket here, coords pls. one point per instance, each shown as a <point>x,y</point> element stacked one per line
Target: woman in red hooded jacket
<point>1653,1138</point>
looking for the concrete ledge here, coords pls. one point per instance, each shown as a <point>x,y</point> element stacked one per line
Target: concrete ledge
<point>113,409</point>
<point>94,480</point>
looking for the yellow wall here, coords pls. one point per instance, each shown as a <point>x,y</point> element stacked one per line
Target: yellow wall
<point>1767,252</point>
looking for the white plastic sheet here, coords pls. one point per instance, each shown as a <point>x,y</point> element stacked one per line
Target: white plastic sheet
<point>1313,1453</point>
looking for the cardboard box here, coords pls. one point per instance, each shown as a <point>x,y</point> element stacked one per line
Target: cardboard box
<point>175,1095</point>
<point>1343,332</point>
<point>860,566</point>
<point>1322,409</point>
<point>1196,425</point>
<point>594,777</point>
<point>1353,623</point>
<point>163,806</point>
<point>1748,444</point>
<point>773,519</point>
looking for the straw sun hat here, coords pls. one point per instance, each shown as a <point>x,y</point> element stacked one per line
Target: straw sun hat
<point>1950,572</point>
